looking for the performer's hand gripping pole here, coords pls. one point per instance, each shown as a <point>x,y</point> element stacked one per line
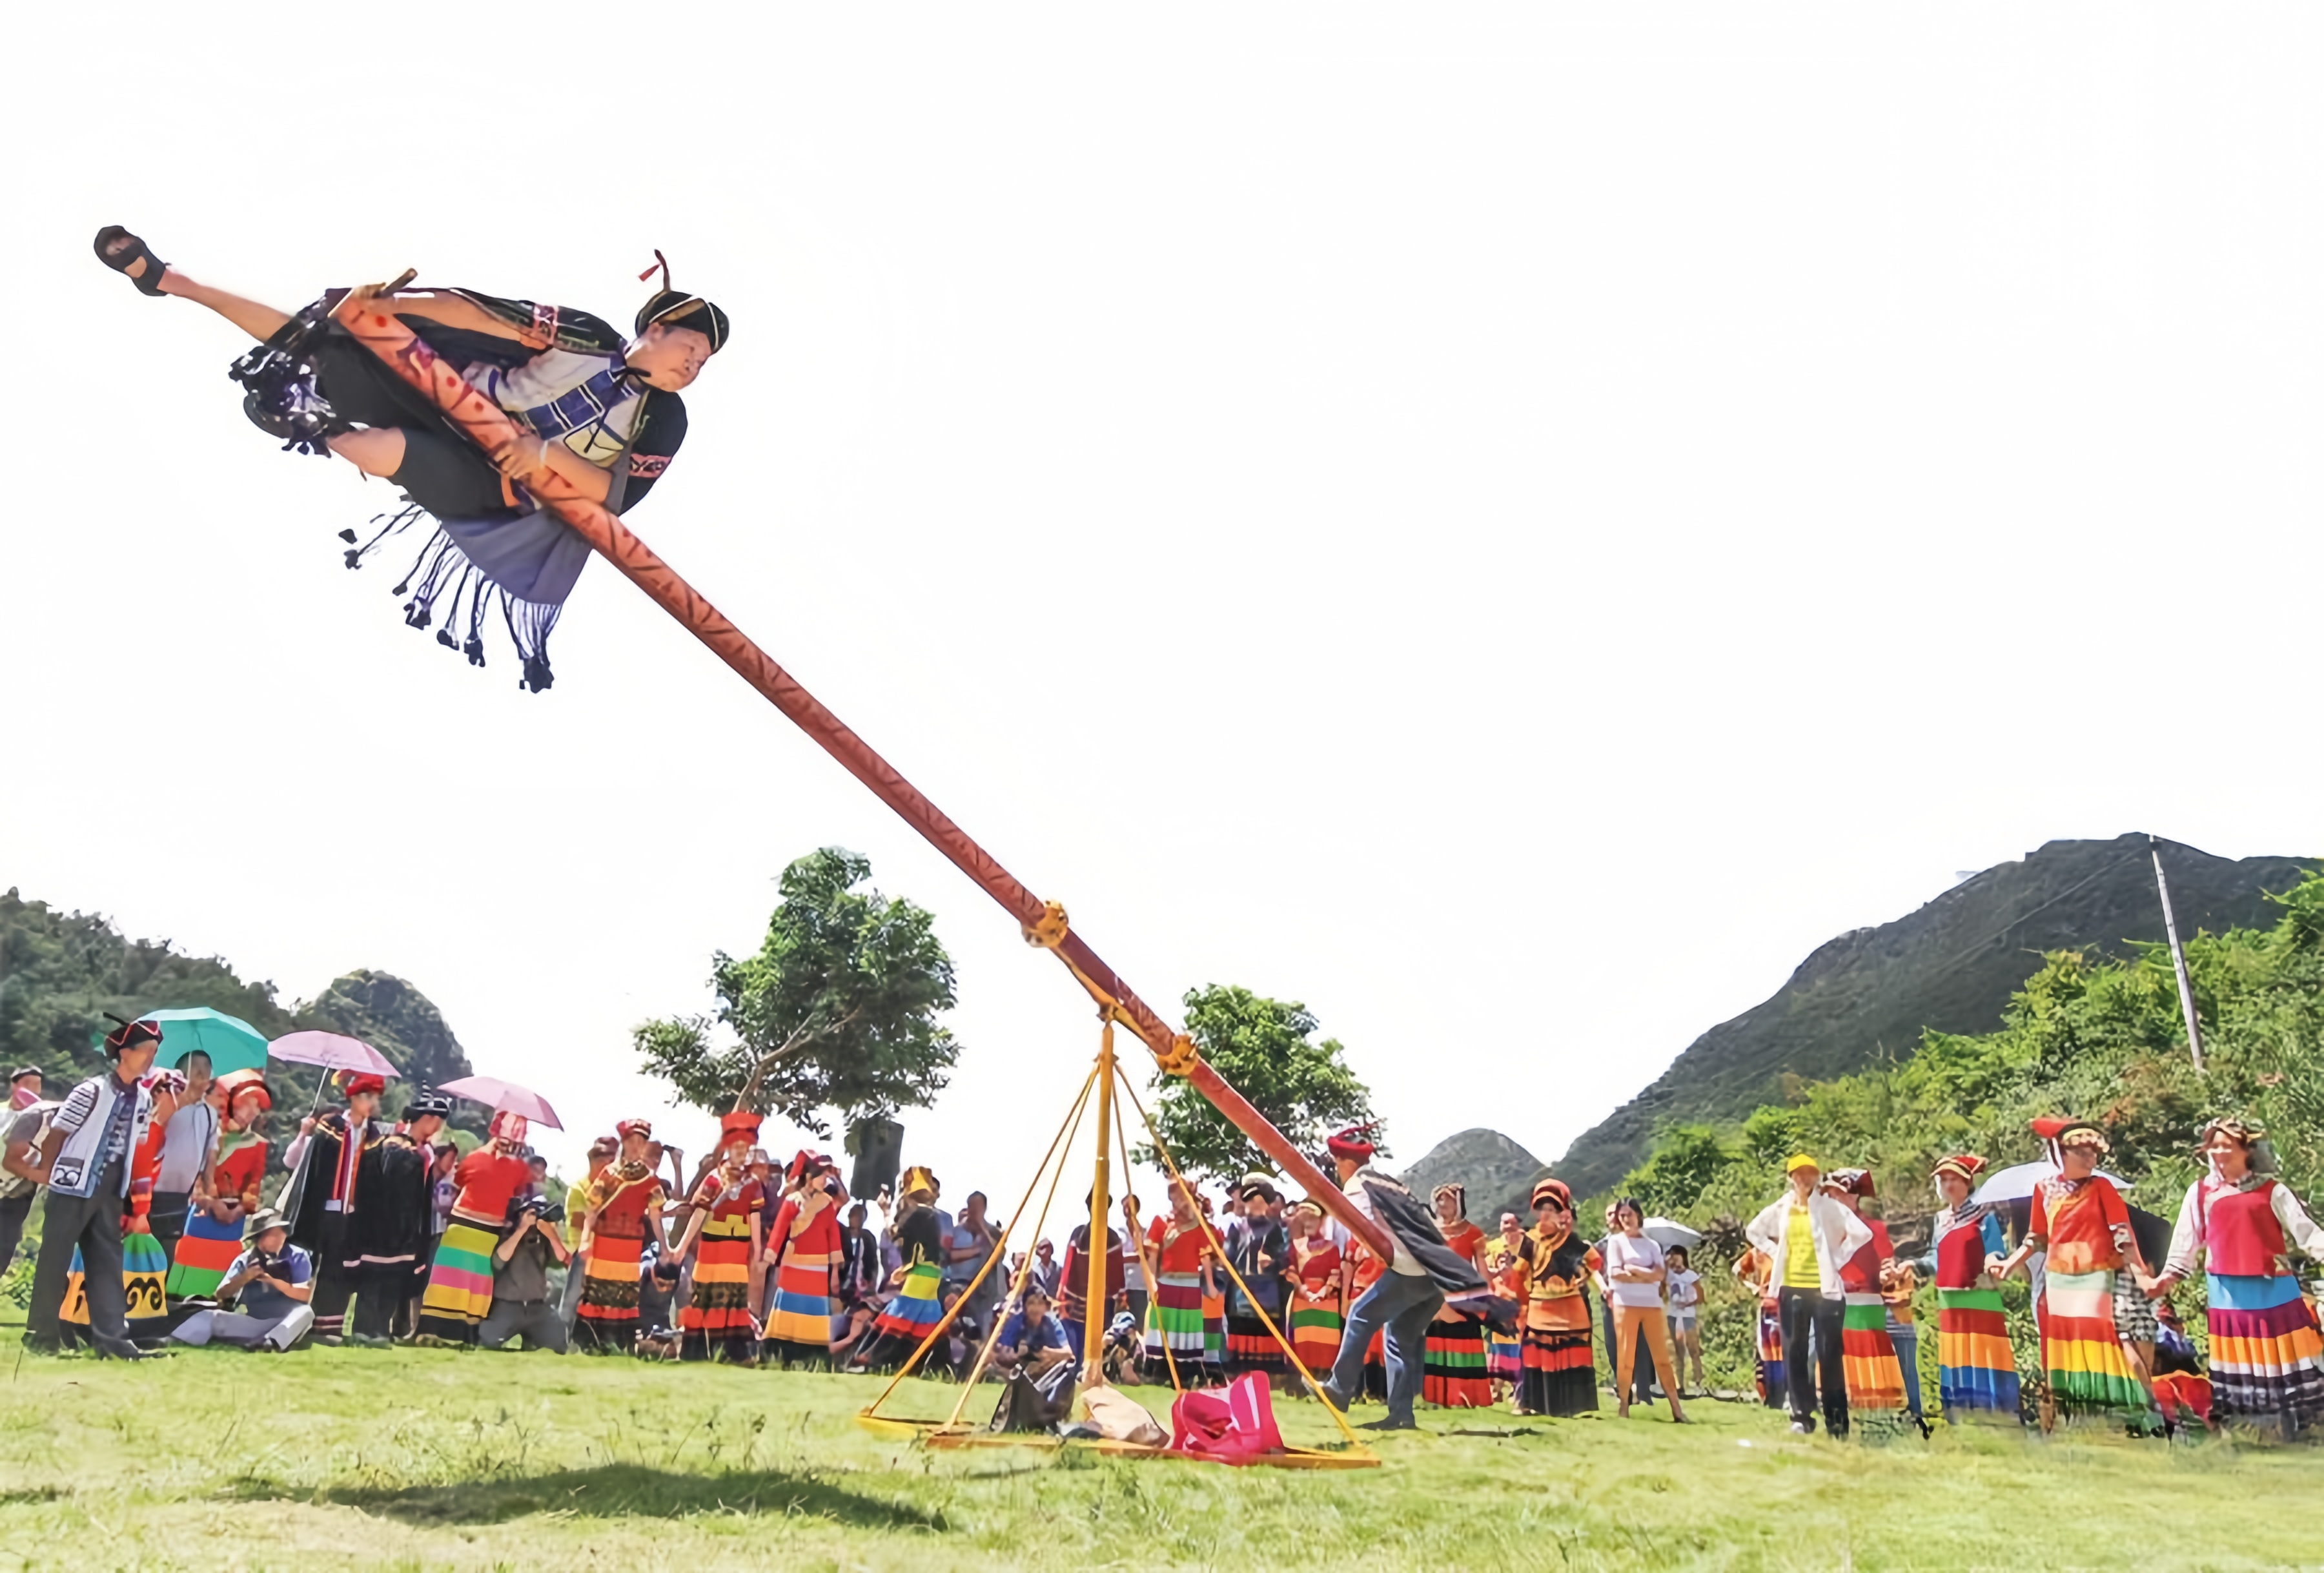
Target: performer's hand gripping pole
<point>1042,922</point>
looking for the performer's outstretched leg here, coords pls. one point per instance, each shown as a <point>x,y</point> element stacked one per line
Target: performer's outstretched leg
<point>258,321</point>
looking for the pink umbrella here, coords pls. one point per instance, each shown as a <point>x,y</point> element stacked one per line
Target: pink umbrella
<point>497,1095</point>
<point>332,1051</point>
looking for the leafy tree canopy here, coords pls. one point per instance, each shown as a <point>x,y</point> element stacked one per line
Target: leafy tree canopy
<point>1266,1049</point>
<point>835,1010</point>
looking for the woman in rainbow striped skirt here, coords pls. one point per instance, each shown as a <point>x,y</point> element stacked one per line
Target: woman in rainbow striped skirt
<point>213,1236</point>
<point>1867,1357</point>
<point>460,1282</point>
<point>1318,1274</point>
<point>2267,1358</point>
<point>803,1245</point>
<point>916,1306</point>
<point>1180,1256</point>
<point>724,1231</point>
<point>2081,1221</point>
<point>1976,1369</point>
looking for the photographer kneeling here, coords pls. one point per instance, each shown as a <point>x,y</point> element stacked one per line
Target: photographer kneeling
<point>1036,1358</point>
<point>268,1284</point>
<point>522,1303</point>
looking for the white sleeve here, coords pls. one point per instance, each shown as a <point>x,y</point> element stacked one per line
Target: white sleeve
<point>2184,1237</point>
<point>295,1152</point>
<point>2298,1226</point>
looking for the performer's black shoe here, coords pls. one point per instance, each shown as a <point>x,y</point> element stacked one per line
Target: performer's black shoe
<point>44,1346</point>
<point>1387,1423</point>
<point>119,1349</point>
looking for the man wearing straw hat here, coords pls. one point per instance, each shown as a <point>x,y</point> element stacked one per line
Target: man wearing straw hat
<point>270,1284</point>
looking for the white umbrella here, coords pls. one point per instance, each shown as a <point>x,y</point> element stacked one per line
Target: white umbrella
<point>1668,1233</point>
<point>2017,1183</point>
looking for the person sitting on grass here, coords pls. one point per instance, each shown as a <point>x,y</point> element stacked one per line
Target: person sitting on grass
<point>269,1286</point>
<point>522,1306</point>
<point>1033,1340</point>
<point>1035,1357</point>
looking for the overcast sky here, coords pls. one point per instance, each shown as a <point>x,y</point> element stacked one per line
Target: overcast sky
<point>1510,527</point>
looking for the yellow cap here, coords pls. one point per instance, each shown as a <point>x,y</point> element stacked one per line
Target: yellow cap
<point>1799,1160</point>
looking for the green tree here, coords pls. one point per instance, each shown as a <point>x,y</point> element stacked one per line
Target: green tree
<point>836,1011</point>
<point>1266,1049</point>
<point>1686,1159</point>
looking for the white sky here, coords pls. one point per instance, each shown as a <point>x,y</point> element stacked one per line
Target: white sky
<point>1510,528</point>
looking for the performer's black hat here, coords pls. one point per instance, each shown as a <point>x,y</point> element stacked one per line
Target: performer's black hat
<point>428,1103</point>
<point>681,310</point>
<point>22,1072</point>
<point>128,1035</point>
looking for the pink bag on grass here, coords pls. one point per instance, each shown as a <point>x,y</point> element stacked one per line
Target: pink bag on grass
<point>1232,1426</point>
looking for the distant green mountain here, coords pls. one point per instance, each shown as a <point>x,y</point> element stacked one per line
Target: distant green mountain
<point>61,972</point>
<point>1865,998</point>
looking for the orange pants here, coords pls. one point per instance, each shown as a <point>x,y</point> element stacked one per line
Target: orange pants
<point>1628,1320</point>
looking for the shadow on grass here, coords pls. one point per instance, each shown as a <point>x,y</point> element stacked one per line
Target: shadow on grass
<point>620,1490</point>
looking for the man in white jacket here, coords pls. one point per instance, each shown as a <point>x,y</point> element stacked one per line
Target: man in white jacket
<point>1807,1236</point>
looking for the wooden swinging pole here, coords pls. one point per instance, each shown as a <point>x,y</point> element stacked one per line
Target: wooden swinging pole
<point>366,316</point>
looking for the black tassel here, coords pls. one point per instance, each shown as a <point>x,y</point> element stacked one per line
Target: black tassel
<point>442,585</point>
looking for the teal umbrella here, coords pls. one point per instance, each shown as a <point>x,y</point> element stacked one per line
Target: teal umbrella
<point>231,1042</point>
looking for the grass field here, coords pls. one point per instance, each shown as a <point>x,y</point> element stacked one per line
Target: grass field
<point>421,1459</point>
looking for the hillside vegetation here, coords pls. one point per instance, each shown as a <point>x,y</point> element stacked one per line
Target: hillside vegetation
<point>1952,964</point>
<point>61,972</point>
<point>2084,1035</point>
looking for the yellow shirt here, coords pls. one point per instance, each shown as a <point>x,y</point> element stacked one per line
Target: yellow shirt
<point>1800,1268</point>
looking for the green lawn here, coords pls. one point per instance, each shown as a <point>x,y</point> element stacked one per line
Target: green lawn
<point>431,1458</point>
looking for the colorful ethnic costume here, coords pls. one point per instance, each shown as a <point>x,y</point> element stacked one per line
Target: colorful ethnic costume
<point>1976,1369</point>
<point>144,1264</point>
<point>1505,1275</point>
<point>2084,1223</point>
<point>1751,1272</point>
<point>2267,1360</point>
<point>1867,1358</point>
<point>459,1293</point>
<point>624,1198</point>
<point>394,1236</point>
<point>806,1233</point>
<point>1453,1373</point>
<point>561,375</point>
<point>1249,1345</point>
<point>1559,1378</point>
<point>1174,1315</point>
<point>731,1206</point>
<point>338,1164</point>
<point>1316,1313</point>
<point>918,1305</point>
<point>207,1248</point>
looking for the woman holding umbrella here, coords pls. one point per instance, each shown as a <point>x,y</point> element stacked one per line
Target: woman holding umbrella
<point>2267,1360</point>
<point>213,1236</point>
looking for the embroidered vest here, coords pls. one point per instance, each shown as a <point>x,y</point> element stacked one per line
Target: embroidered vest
<point>2242,1236</point>
<point>1961,1255</point>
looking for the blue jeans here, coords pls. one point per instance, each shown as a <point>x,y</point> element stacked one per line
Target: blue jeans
<point>1907,1339</point>
<point>1399,1308</point>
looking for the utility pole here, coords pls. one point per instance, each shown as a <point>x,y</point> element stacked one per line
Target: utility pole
<point>2178,957</point>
